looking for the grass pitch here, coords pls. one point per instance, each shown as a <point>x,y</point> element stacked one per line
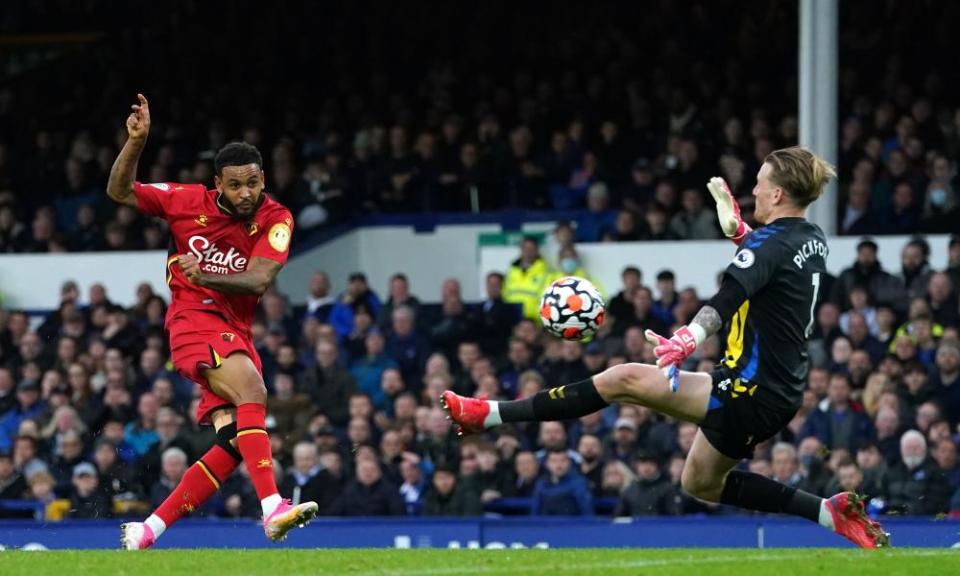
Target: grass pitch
<point>715,562</point>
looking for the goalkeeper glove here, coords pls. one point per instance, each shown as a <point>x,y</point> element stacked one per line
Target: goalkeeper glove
<point>671,352</point>
<point>728,211</point>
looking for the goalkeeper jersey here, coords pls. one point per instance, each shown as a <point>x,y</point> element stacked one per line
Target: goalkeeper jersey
<point>781,267</point>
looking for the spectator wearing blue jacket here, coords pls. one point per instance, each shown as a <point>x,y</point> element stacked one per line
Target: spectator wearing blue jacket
<point>28,406</point>
<point>142,432</point>
<point>357,294</point>
<point>563,491</point>
<point>840,425</point>
<point>368,370</point>
<point>407,348</point>
<point>599,220</point>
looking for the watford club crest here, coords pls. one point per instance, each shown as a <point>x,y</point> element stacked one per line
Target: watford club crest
<point>279,236</point>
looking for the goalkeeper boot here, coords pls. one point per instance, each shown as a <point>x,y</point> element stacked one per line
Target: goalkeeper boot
<point>469,414</point>
<point>851,521</point>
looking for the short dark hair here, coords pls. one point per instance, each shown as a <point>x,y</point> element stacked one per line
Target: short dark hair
<point>846,461</point>
<point>33,441</point>
<point>867,242</point>
<point>285,372</point>
<point>646,456</point>
<point>666,275</point>
<point>914,366</point>
<point>922,244</point>
<point>236,154</point>
<point>945,440</point>
<point>631,270</point>
<point>845,378</point>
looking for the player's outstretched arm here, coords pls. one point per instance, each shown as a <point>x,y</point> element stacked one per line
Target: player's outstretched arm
<point>253,281</point>
<point>124,171</point>
<point>709,320</point>
<point>674,351</point>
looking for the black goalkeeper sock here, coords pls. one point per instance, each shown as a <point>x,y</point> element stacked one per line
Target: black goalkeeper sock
<point>756,492</point>
<point>562,403</point>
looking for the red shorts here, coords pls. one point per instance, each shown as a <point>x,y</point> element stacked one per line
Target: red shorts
<point>199,340</point>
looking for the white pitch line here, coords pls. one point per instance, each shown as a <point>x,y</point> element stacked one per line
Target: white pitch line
<point>627,564</point>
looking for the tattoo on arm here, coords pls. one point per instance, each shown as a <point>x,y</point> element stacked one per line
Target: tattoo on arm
<point>709,319</point>
<point>254,281</point>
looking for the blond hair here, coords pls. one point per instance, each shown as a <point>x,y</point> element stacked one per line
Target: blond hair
<point>800,172</point>
<point>877,384</point>
<point>625,472</point>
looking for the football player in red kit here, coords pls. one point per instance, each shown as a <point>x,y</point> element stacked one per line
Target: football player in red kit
<point>228,244</point>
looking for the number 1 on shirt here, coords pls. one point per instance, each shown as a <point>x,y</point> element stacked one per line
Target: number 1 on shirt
<point>813,303</point>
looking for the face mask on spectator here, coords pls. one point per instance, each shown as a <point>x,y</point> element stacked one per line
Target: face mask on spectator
<point>568,265</point>
<point>938,197</point>
<point>809,461</point>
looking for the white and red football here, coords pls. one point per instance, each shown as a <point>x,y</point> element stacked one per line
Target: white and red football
<point>572,308</point>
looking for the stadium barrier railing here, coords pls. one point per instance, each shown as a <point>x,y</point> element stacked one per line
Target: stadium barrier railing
<point>489,533</point>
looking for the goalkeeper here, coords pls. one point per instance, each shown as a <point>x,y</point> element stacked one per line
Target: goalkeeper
<point>768,296</point>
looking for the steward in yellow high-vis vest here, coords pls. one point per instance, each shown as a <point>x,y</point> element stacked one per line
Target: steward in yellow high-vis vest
<point>526,279</point>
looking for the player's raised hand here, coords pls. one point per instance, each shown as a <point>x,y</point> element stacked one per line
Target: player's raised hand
<point>138,122</point>
<point>190,266</point>
<point>673,350</point>
<point>728,210</point>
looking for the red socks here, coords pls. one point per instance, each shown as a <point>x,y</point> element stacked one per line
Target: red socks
<point>204,478</point>
<point>199,483</point>
<point>254,444</point>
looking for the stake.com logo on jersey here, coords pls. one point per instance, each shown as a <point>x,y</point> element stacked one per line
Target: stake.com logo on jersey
<point>214,260</point>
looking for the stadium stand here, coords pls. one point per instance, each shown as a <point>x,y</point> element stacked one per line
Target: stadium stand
<point>580,110</point>
<point>95,421</point>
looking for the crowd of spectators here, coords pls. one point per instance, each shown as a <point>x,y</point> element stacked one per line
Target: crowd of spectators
<point>94,421</point>
<point>569,109</point>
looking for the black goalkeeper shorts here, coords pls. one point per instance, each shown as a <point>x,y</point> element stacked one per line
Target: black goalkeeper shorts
<point>735,422</point>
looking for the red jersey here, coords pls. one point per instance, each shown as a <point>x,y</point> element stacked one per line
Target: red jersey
<point>223,244</point>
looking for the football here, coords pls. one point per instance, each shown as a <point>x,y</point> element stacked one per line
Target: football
<point>572,308</point>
